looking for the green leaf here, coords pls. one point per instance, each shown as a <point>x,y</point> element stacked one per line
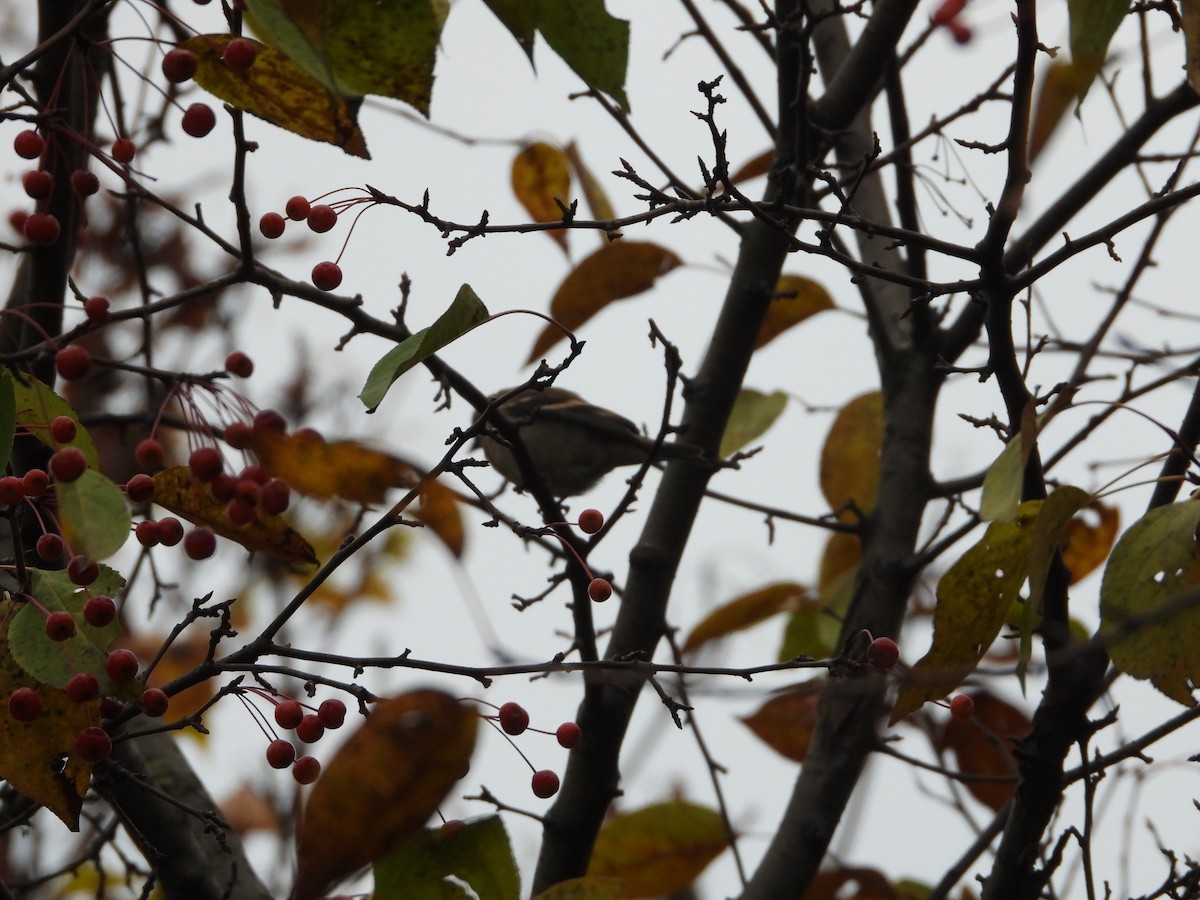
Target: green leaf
<point>1151,628</point>
<point>753,413</point>
<point>814,628</point>
<point>1093,24</point>
<point>8,420</point>
<point>520,18</point>
<point>52,662</point>
<point>37,406</point>
<point>94,518</point>
<point>659,849</point>
<point>973,602</point>
<point>466,312</point>
<point>594,44</point>
<point>1002,483</point>
<point>479,853</point>
<point>358,47</point>
<point>590,887</point>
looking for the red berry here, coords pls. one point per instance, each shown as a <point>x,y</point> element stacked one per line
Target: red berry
<point>93,744</point>
<point>239,514</point>
<point>332,713</point>
<point>12,490</point>
<point>25,704</point>
<point>206,463</point>
<point>17,219</point>
<point>962,707</point>
<point>111,707</point>
<point>288,713</point>
<point>123,150</point>
<point>297,208</point>
<point>84,183</point>
<point>591,521</point>
<point>121,666</point>
<point>599,590</point>
<point>96,310</point>
<point>42,228</point>
<point>50,547</point>
<point>72,362</point>
<point>35,482</point>
<point>280,754</point>
<point>60,625</point>
<point>170,531</point>
<point>269,420</point>
<point>198,120</point>
<point>200,543</point>
<point>223,487</point>
<point>513,718</point>
<point>246,493</point>
<point>961,32</point>
<point>146,533</point>
<point>240,54</point>
<point>150,454</point>
<point>545,783</point>
<point>322,218</point>
<point>82,571</point>
<point>154,702</point>
<point>179,65</point>
<point>310,730</point>
<point>882,653</point>
<point>947,11</point>
<point>37,184</point>
<point>239,364</point>
<point>306,770</point>
<point>140,488</point>
<point>568,735</point>
<point>29,145</point>
<point>326,276</point>
<point>62,429</point>
<point>257,474</point>
<point>275,497</point>
<point>272,225</point>
<point>99,611</point>
<point>82,687</point>
<point>239,435</point>
<point>67,464</point>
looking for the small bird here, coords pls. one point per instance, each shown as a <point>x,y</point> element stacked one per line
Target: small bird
<point>572,443</point>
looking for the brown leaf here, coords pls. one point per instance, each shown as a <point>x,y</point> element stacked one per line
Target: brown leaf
<point>1088,545</point>
<point>982,745</point>
<point>324,469</point>
<point>785,722</point>
<point>744,612</point>
<point>247,810</point>
<point>179,491</point>
<point>850,456</point>
<point>382,785</point>
<point>754,167</point>
<point>614,272</point>
<point>541,175</point>
<point>440,513</point>
<point>796,299</point>
<point>869,884</point>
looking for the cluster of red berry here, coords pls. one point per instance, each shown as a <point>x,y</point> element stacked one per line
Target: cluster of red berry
<point>310,727</point>
<point>513,719</point>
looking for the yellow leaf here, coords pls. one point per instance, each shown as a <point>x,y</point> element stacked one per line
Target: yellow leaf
<point>324,469</point>
<point>1063,85</point>
<point>541,175</point>
<point>614,272</point>
<point>590,887</point>
<point>658,849</point>
<point>796,299</point>
<point>752,415</point>
<point>178,490</point>
<point>850,457</point>
<point>785,723</point>
<point>382,785</point>
<point>440,513</point>
<point>744,612</point>
<point>1088,545</point>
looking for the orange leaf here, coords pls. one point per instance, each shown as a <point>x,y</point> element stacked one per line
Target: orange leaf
<point>796,299</point>
<point>743,612</point>
<point>658,849</point>
<point>382,785</point>
<point>850,457</point>
<point>754,167</point>
<point>177,490</point>
<point>1087,545</point>
<point>320,468</point>
<point>439,511</point>
<point>982,745</point>
<point>541,175</point>
<point>785,722</point>
<point>869,884</point>
<point>614,272</point>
